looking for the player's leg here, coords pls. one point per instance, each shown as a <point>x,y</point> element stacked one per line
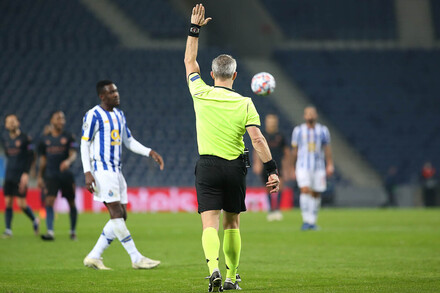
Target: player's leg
<point>278,215</point>
<point>210,239</point>
<point>68,192</point>
<point>231,248</point>
<point>319,184</point>
<point>52,187</point>
<point>316,205</point>
<point>209,184</point>
<point>22,203</point>
<point>49,202</point>
<point>105,182</point>
<point>9,200</point>
<point>270,214</point>
<point>233,205</point>
<point>73,215</point>
<point>305,198</point>
<point>211,247</point>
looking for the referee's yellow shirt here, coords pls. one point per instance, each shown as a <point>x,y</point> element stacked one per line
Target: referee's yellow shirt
<point>222,116</point>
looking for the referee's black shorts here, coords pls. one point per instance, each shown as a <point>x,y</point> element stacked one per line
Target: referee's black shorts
<point>221,184</point>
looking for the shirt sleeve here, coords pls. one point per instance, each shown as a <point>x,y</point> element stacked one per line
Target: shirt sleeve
<point>252,119</point>
<point>325,136</point>
<point>72,142</point>
<point>196,85</point>
<point>89,126</point>
<point>41,148</point>
<point>295,137</point>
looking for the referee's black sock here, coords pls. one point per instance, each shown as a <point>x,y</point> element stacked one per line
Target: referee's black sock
<point>27,210</point>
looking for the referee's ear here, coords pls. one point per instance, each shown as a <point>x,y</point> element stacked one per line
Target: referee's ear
<point>235,75</point>
<point>212,75</point>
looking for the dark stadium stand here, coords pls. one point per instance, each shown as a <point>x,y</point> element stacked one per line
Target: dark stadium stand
<point>385,102</point>
<point>435,9</point>
<point>334,20</point>
<point>50,25</point>
<point>158,17</point>
<point>57,68</point>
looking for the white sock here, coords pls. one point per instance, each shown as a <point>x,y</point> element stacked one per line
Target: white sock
<point>122,233</point>
<point>104,241</point>
<point>306,203</point>
<point>315,208</point>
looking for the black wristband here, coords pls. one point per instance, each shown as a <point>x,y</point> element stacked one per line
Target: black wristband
<point>271,167</point>
<point>194,30</point>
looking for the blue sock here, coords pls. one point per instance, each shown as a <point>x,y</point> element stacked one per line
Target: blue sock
<point>49,218</point>
<point>73,216</point>
<point>8,218</point>
<point>27,210</point>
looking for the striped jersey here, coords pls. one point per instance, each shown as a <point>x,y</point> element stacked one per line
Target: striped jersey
<point>106,131</point>
<point>310,143</point>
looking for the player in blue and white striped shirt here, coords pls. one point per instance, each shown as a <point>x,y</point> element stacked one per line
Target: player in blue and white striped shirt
<point>312,159</point>
<point>104,131</point>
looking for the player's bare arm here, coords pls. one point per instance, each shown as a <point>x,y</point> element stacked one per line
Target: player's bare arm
<point>294,158</point>
<point>68,162</point>
<point>192,44</point>
<point>262,149</point>
<point>158,159</point>
<point>41,170</point>
<point>24,180</point>
<point>329,166</point>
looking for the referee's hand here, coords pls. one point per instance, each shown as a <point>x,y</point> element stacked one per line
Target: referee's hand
<point>273,183</point>
<point>158,159</point>
<point>198,15</point>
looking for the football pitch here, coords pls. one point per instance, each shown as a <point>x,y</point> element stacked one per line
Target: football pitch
<point>357,250</point>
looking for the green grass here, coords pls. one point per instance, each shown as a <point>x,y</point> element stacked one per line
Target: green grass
<point>356,251</point>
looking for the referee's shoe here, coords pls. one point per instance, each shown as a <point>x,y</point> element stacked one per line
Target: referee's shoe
<point>215,282</point>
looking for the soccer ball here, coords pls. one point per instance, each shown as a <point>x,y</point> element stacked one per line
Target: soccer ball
<point>263,83</point>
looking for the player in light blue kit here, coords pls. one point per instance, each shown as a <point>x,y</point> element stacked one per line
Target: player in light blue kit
<point>312,160</point>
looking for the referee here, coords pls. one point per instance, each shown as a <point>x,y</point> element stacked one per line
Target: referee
<point>222,118</point>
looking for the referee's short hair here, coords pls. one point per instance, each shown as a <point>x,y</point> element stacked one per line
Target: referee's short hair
<point>224,66</point>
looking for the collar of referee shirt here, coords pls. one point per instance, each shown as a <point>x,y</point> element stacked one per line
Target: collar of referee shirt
<point>223,87</point>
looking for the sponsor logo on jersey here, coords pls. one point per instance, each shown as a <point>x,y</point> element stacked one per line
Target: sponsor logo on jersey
<point>116,138</point>
<point>110,193</point>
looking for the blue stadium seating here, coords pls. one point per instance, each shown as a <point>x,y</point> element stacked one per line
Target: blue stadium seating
<point>53,52</point>
<point>158,17</point>
<point>335,19</point>
<point>385,102</point>
<point>154,97</point>
<point>50,24</point>
<point>435,9</point>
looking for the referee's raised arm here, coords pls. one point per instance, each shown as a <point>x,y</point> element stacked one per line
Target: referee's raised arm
<point>197,21</point>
